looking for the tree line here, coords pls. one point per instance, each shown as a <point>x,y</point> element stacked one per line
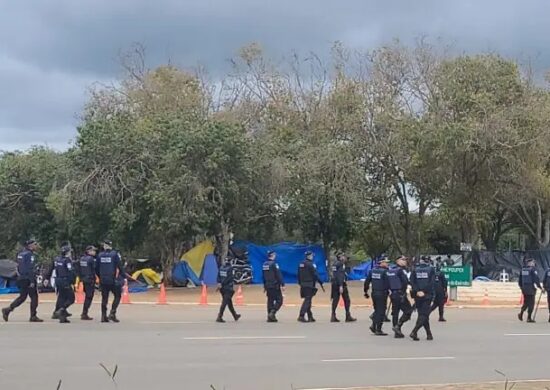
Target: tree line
<point>401,150</point>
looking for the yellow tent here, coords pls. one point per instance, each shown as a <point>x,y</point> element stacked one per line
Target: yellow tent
<point>195,257</point>
<point>149,275</point>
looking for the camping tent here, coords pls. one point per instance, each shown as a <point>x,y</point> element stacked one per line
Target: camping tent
<point>147,276</point>
<point>196,256</point>
<point>360,271</point>
<point>8,275</point>
<point>182,274</point>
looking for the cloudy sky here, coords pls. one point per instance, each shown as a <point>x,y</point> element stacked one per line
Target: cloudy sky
<point>51,51</point>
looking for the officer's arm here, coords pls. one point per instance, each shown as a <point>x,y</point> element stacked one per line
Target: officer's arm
<point>316,275</point>
<point>122,272</point>
<point>520,279</point>
<point>414,285</point>
<point>404,279</point>
<point>279,275</point>
<point>263,278</point>
<point>299,278</point>
<point>432,283</point>
<point>536,279</point>
<point>444,281</point>
<point>26,266</point>
<point>368,279</point>
<point>545,279</point>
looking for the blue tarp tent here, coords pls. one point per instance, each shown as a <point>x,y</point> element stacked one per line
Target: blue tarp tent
<point>289,256</point>
<point>360,271</point>
<point>209,275</point>
<point>182,272</point>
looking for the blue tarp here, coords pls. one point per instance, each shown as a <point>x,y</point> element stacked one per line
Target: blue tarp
<point>360,271</point>
<point>289,256</point>
<point>209,275</point>
<point>181,272</point>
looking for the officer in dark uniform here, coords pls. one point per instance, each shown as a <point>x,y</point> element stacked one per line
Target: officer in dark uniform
<point>528,279</point>
<point>86,274</point>
<point>398,281</point>
<point>308,279</point>
<point>546,286</point>
<point>339,287</point>
<point>423,286</point>
<point>111,275</point>
<point>64,280</point>
<point>226,287</point>
<point>273,286</point>
<point>26,281</point>
<point>380,287</point>
<point>440,292</point>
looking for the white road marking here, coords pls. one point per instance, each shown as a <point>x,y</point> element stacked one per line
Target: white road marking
<point>247,338</point>
<point>388,359</point>
<point>171,322</point>
<point>425,385</point>
<point>527,334</point>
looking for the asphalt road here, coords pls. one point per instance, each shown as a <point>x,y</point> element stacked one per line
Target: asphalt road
<point>182,347</point>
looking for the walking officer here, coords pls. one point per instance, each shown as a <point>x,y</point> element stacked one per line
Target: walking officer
<point>64,280</point>
<point>423,286</point>
<point>112,276</point>
<point>308,279</point>
<point>339,288</point>
<point>528,282</point>
<point>273,286</point>
<point>26,281</point>
<point>440,292</point>
<point>380,286</point>
<point>546,286</point>
<point>398,281</point>
<point>226,283</point>
<point>87,275</point>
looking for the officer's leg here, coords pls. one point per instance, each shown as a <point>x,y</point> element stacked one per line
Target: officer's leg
<point>33,294</point>
<point>70,297</point>
<point>347,305</point>
<point>407,310</point>
<point>270,300</point>
<point>89,293</point>
<point>104,300</point>
<point>303,308</point>
<point>59,303</point>
<point>278,300</point>
<point>419,320</point>
<point>384,306</point>
<point>395,308</point>
<point>23,286</point>
<point>63,298</point>
<point>435,303</point>
<point>442,309</point>
<point>530,306</point>
<point>525,304</point>
<point>230,305</point>
<point>426,312</point>
<point>309,300</point>
<point>548,301</point>
<point>335,296</point>
<point>374,316</point>
<point>222,306</point>
<point>117,294</point>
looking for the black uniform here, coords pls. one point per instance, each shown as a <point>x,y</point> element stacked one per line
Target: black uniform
<point>111,279</point>
<point>339,281</point>
<point>307,279</point>
<point>64,280</point>
<point>440,293</point>
<point>528,279</point>
<point>273,282</point>
<point>226,281</point>
<point>380,287</point>
<point>26,282</point>
<point>399,282</point>
<point>87,274</point>
<point>546,284</point>
<point>423,280</point>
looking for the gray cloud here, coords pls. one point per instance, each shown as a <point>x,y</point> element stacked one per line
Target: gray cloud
<point>51,51</point>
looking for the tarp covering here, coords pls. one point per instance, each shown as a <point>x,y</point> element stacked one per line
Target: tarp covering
<point>491,264</point>
<point>289,256</point>
<point>148,275</point>
<point>182,273</point>
<point>8,269</point>
<point>195,257</point>
<point>360,271</point>
<point>209,274</point>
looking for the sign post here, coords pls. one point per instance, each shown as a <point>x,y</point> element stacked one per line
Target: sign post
<point>458,276</point>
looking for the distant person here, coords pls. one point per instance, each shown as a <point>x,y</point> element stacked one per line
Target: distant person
<point>528,282</point>
<point>399,282</point>
<point>86,273</point>
<point>440,292</point>
<point>26,281</point>
<point>308,279</point>
<point>423,286</point>
<point>339,288</point>
<point>112,276</point>
<point>380,287</point>
<point>226,281</point>
<point>64,281</point>
<point>449,262</point>
<point>273,286</point>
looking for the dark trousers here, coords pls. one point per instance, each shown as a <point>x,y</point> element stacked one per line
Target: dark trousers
<point>400,303</point>
<point>117,294</point>
<point>89,291</point>
<point>25,290</point>
<point>227,301</point>
<point>548,300</point>
<point>380,303</point>
<point>307,293</point>
<point>423,308</point>
<point>528,304</point>
<point>439,303</point>
<point>335,295</point>
<point>65,297</point>
<point>274,299</point>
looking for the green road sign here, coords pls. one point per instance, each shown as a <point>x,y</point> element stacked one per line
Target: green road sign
<point>458,276</point>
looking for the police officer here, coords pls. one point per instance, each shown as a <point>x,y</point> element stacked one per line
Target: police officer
<point>546,286</point>
<point>273,286</point>
<point>423,286</point>
<point>380,287</point>
<point>440,292</point>
<point>26,281</point>
<point>398,281</point>
<point>112,276</point>
<point>339,287</point>
<point>64,280</point>
<point>528,279</point>
<point>308,279</point>
<point>86,274</point>
<point>226,287</point>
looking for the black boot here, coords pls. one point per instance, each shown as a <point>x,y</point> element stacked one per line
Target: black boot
<point>6,313</point>
<point>398,333</point>
<point>35,319</point>
<point>373,329</point>
<point>349,318</point>
<point>104,317</point>
<point>386,319</point>
<point>220,319</point>
<point>520,316</point>
<point>530,320</point>
<point>112,317</point>
<point>271,316</point>
<point>311,319</point>
<point>429,336</point>
<point>302,319</point>
<point>236,317</point>
<point>55,315</point>
<point>62,315</point>
<point>414,336</point>
<point>333,318</point>
<point>441,319</point>
<point>85,317</point>
<point>379,331</point>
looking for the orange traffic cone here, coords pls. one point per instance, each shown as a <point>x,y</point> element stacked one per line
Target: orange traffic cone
<point>341,302</point>
<point>204,296</point>
<point>485,300</point>
<point>162,295</point>
<point>125,294</point>
<point>80,293</point>
<point>240,298</point>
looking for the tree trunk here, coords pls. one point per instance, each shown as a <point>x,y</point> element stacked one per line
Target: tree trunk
<point>222,241</point>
